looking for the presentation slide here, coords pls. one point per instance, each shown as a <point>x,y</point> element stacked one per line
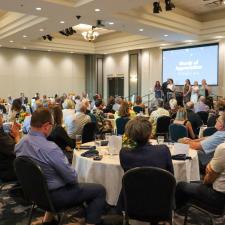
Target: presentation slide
<point>194,63</point>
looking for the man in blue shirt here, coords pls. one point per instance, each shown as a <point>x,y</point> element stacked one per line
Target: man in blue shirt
<point>60,176</point>
<point>207,145</point>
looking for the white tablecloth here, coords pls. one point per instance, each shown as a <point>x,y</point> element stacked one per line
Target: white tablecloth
<point>108,172</point>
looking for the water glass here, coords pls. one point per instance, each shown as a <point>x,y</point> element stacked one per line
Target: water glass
<point>107,136</point>
<point>78,141</point>
<point>98,139</point>
<point>160,140</point>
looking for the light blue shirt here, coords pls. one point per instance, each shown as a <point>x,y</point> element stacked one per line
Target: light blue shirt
<point>210,143</point>
<point>50,158</point>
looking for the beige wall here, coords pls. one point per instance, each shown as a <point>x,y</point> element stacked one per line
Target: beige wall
<point>36,71</point>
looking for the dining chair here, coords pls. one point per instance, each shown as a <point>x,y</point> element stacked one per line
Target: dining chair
<point>177,131</point>
<point>35,188</point>
<point>148,194</point>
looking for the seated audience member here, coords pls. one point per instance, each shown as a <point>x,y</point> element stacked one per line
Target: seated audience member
<point>61,178</point>
<point>7,155</point>
<point>59,135</point>
<point>68,108</point>
<point>23,99</point>
<point>200,105</point>
<point>26,122</point>
<point>75,123</point>
<point>156,114</point>
<point>117,104</point>
<point>109,106</point>
<point>181,118</point>
<point>2,106</point>
<point>102,125</point>
<point>219,110</point>
<point>138,102</point>
<point>210,193</point>
<point>208,144</point>
<point>193,117</point>
<point>124,116</point>
<point>45,101</point>
<point>173,107</point>
<point>138,152</point>
<point>77,101</point>
<point>15,110</point>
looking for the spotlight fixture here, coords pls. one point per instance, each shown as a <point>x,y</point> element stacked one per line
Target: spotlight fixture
<point>68,31</point>
<point>78,17</point>
<point>99,23</point>
<point>169,5</point>
<point>156,7</point>
<point>47,37</point>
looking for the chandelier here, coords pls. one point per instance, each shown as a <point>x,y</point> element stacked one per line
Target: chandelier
<point>90,35</point>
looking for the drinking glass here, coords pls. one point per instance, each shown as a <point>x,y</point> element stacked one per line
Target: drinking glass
<point>107,135</point>
<point>160,140</point>
<point>97,139</point>
<point>78,141</point>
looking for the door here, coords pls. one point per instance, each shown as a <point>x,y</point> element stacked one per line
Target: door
<point>116,86</point>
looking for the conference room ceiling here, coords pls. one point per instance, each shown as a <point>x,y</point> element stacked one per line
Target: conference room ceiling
<point>22,24</point>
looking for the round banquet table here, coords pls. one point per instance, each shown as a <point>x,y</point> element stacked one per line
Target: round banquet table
<point>109,173</point>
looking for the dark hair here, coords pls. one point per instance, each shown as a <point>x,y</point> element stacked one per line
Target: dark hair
<point>57,115</point>
<point>98,102</point>
<point>189,82</point>
<point>16,105</point>
<point>40,117</point>
<point>160,102</point>
<point>124,109</point>
<point>139,130</point>
<point>138,100</point>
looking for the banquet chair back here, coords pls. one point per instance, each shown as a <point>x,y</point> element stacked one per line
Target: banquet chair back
<point>89,131</point>
<point>148,194</point>
<point>33,184</point>
<point>177,131</point>
<point>162,126</point>
<point>212,213</point>
<point>137,109</point>
<point>209,131</point>
<point>204,116</point>
<point>35,188</point>
<point>120,125</point>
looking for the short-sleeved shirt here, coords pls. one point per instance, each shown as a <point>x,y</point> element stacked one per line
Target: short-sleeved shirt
<point>218,165</point>
<point>210,143</point>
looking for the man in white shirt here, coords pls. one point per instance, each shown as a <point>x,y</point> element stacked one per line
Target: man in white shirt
<point>156,114</point>
<point>75,123</point>
<point>210,193</point>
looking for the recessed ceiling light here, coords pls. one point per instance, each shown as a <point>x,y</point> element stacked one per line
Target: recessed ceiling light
<point>71,52</point>
<point>11,41</point>
<point>219,37</point>
<point>62,21</point>
<point>25,36</point>
<point>24,48</point>
<point>165,35</point>
<point>49,50</point>
<point>0,45</point>
<point>41,29</point>
<point>189,41</point>
<point>111,23</point>
<point>38,8</point>
<point>163,44</point>
<point>141,29</point>
<point>97,10</point>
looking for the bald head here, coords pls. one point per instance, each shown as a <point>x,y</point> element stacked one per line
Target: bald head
<point>189,105</point>
<point>202,99</point>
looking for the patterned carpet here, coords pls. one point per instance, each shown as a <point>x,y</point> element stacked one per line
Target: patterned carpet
<point>13,211</point>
